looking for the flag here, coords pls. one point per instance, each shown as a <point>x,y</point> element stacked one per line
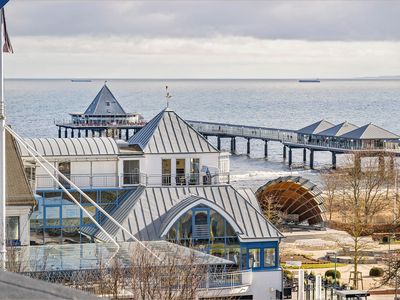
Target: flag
<point>7,47</point>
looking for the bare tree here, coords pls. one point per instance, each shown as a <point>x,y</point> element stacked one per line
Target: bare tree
<point>363,192</point>
<point>331,180</point>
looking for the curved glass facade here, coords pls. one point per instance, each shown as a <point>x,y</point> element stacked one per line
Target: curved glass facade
<point>205,229</point>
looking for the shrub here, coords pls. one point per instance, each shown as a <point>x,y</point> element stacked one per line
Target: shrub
<point>331,273</point>
<point>288,275</point>
<point>376,272</point>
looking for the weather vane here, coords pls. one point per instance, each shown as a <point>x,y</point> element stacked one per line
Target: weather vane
<point>167,95</point>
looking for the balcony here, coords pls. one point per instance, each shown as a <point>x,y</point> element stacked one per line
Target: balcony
<point>112,180</point>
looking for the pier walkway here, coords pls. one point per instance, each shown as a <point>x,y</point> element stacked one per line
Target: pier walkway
<point>292,139</point>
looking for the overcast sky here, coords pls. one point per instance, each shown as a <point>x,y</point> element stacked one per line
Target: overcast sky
<point>203,39</point>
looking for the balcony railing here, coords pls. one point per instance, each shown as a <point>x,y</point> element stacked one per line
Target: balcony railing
<point>113,180</point>
<point>227,280</point>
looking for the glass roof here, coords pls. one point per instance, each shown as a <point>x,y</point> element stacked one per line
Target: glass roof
<point>72,257</point>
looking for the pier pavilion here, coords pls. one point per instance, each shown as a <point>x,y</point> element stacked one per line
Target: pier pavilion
<point>103,117</point>
<point>367,140</point>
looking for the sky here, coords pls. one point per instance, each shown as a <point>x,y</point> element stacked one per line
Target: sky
<point>203,39</point>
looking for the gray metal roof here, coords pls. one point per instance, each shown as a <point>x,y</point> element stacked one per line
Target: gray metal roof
<point>105,104</point>
<point>169,133</point>
<point>145,212</point>
<point>71,146</point>
<point>339,129</point>
<point>316,127</point>
<point>370,132</point>
<point>16,286</point>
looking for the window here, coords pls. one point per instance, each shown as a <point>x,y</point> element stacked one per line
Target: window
<point>269,257</point>
<point>166,171</point>
<point>12,230</point>
<point>254,258</point>
<point>206,230</point>
<point>194,171</point>
<point>131,172</point>
<point>65,169</point>
<point>180,172</point>
<point>108,103</point>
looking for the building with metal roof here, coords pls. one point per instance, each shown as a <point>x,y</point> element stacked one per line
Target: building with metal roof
<point>338,130</point>
<point>169,133</point>
<point>315,128</point>
<point>50,147</point>
<point>103,117</point>
<point>152,210</point>
<point>370,132</point>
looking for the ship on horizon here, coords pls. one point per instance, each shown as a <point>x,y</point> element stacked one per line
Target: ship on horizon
<point>309,80</point>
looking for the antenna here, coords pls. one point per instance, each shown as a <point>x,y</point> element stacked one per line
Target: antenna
<point>167,95</point>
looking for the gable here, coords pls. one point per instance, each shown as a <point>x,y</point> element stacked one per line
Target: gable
<point>169,133</point>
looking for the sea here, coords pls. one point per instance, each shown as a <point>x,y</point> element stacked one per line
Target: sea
<point>34,106</point>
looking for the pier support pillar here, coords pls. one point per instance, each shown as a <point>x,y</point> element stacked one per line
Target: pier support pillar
<point>65,132</point>
<point>392,165</point>
<point>334,160</point>
<point>248,146</point>
<point>119,133</point>
<point>100,133</point>
<point>284,152</point>
<point>93,133</point>
<point>304,155</point>
<point>59,132</point>
<point>72,133</point>
<point>233,145</point>
<point>86,133</point>
<point>290,157</point>
<point>311,159</point>
<point>381,164</point>
<point>79,133</point>
<point>218,143</point>
<point>266,149</point>
<point>127,134</point>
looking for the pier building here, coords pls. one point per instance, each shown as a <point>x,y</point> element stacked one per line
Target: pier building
<point>166,183</point>
<point>321,136</point>
<point>103,117</point>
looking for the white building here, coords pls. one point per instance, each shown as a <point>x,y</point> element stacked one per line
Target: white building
<point>167,182</point>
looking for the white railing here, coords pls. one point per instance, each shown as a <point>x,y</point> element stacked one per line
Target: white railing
<point>113,180</point>
<point>276,134</point>
<point>227,280</point>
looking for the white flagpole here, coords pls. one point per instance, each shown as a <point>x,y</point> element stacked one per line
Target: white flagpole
<point>2,158</point>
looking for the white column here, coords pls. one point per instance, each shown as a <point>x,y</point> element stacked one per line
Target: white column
<point>300,293</point>
<point>318,291</point>
<point>2,159</point>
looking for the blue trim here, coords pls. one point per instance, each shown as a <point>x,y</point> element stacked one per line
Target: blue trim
<point>261,246</point>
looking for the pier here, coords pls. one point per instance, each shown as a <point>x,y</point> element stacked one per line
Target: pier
<point>368,140</point>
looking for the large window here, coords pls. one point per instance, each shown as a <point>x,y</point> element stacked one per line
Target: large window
<point>180,171</point>
<point>254,258</point>
<point>269,257</point>
<point>166,171</point>
<point>65,169</point>
<point>194,171</point>
<point>131,172</point>
<point>12,230</point>
<point>206,230</point>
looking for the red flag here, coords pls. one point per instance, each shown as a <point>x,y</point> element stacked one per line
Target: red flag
<point>7,47</point>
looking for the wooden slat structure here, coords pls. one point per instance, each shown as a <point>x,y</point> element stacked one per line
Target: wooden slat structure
<point>294,196</point>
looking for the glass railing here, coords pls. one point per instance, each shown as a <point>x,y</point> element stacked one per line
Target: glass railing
<point>227,280</point>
